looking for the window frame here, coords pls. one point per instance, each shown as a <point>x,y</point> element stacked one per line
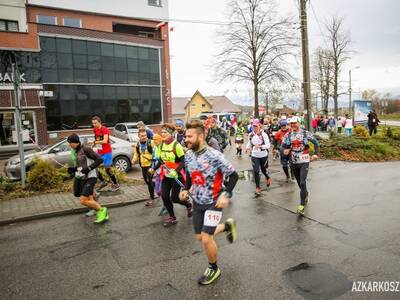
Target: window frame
<point>55,19</point>
<point>6,23</point>
<point>71,18</point>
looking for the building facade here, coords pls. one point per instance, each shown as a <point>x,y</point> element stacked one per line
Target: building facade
<point>83,58</point>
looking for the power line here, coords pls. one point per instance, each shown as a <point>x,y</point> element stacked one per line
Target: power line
<point>319,26</point>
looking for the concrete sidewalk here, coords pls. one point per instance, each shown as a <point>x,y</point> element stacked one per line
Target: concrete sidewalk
<point>48,205</point>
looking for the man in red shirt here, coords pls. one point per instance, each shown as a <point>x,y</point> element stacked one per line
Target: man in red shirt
<point>103,146</point>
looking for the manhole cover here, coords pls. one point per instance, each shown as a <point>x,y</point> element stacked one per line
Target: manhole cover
<point>317,281</point>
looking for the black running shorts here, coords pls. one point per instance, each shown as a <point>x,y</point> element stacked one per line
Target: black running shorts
<point>84,187</point>
<point>199,212</point>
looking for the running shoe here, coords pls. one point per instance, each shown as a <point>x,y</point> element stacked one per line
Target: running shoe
<point>269,182</point>
<point>149,203</point>
<point>189,211</point>
<point>209,276</point>
<point>90,213</point>
<point>102,185</point>
<point>101,216</point>
<point>163,212</point>
<point>300,209</point>
<point>169,222</point>
<point>231,233</point>
<point>115,187</point>
<point>258,191</point>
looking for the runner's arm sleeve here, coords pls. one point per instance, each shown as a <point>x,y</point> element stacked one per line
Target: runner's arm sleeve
<point>231,182</point>
<point>267,143</point>
<point>188,182</point>
<point>97,160</point>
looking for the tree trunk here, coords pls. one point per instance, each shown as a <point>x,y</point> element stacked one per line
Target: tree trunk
<point>256,113</point>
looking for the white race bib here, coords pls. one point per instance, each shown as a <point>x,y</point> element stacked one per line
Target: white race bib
<point>303,158</point>
<point>212,218</point>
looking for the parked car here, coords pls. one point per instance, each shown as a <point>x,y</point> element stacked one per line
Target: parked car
<point>127,132</point>
<point>60,154</point>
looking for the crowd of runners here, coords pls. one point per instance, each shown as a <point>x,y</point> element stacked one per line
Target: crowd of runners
<point>185,165</point>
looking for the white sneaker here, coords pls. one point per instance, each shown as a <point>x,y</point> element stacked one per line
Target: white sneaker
<point>90,213</point>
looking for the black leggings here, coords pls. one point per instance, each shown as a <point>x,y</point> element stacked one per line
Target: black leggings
<point>148,179</point>
<point>372,129</point>
<point>170,194</point>
<point>300,172</point>
<point>259,163</point>
<point>109,173</point>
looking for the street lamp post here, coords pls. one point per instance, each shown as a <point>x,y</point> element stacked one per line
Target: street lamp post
<point>350,90</point>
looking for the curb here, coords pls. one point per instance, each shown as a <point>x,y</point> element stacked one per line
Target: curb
<point>65,212</point>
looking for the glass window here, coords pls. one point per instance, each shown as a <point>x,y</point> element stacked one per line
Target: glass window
<point>120,64</point>
<point>3,25</point>
<point>132,52</point>
<point>48,60</point>
<point>80,76</point>
<point>94,62</point>
<point>63,45</point>
<point>120,50</point>
<point>64,60</point>
<point>144,66</point>
<point>7,25</point>
<point>133,78</point>
<point>108,77</point>
<point>93,48</point>
<point>35,60</point>
<point>72,22</point>
<point>109,92</point>
<point>144,78</point>
<point>49,20</point>
<point>80,61</point>
<point>48,44</point>
<point>95,76</point>
<point>82,92</point>
<point>122,92</point>
<point>153,54</point>
<point>107,63</point>
<point>67,92</point>
<point>49,75</point>
<point>96,92</point>
<point>154,67</point>
<point>107,49</point>
<point>121,77</point>
<point>154,79</point>
<point>35,75</point>
<point>134,93</point>
<point>79,47</point>
<point>133,65</point>
<point>143,53</point>
<point>65,75</point>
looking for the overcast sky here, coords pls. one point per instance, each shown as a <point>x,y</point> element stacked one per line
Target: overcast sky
<point>373,24</point>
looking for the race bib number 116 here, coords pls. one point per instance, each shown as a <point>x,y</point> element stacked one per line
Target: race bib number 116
<point>212,218</point>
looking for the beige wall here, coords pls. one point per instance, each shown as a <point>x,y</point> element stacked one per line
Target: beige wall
<point>14,10</point>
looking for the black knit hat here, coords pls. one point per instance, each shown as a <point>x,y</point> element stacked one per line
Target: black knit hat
<point>73,138</point>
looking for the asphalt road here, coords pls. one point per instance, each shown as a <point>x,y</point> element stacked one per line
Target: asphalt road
<point>350,234</point>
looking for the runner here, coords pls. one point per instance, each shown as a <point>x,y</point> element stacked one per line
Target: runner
<point>102,144</point>
<point>180,132</point>
<point>211,141</point>
<point>171,161</point>
<point>285,159</point>
<point>149,132</point>
<point>295,144</point>
<point>274,128</point>
<point>205,170</point>
<point>156,155</point>
<point>143,152</point>
<point>218,133</point>
<point>259,145</point>
<point>239,138</point>
<point>86,162</point>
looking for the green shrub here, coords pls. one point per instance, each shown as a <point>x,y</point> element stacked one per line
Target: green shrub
<point>361,131</point>
<point>43,175</point>
<point>6,185</point>
<point>121,176</point>
<point>389,132</point>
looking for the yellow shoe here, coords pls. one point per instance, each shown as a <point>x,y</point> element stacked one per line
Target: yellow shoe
<point>300,209</point>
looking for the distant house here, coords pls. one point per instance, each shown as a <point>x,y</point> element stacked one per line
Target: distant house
<point>283,110</point>
<point>187,108</point>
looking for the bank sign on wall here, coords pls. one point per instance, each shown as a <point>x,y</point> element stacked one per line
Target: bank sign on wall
<point>9,78</point>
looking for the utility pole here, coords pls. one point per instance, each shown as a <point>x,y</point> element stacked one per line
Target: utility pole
<point>18,125</point>
<point>306,63</point>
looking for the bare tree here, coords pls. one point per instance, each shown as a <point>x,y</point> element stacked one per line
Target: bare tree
<point>323,75</point>
<point>340,42</point>
<point>257,45</point>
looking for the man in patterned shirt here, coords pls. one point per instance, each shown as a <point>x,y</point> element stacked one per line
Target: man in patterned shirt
<point>295,144</point>
<point>206,169</point>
